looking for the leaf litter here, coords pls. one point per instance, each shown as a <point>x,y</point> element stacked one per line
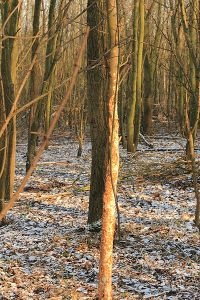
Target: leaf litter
<point>47,251</point>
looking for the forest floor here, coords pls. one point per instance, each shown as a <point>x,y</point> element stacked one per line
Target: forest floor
<point>47,251</point>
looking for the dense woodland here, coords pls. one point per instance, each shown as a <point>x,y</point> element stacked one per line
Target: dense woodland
<point>99,150</point>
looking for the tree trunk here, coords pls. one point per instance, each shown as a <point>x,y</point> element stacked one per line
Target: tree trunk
<point>96,87</point>
<point>147,98</point>
<point>10,14</point>
<point>34,89</point>
<point>50,63</point>
<point>150,64</point>
<point>192,37</point>
<point>192,40</point>
<point>137,117</point>
<point>112,164</point>
<point>133,98</point>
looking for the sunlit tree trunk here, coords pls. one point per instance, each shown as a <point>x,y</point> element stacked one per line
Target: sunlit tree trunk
<point>10,16</point>
<point>112,164</point>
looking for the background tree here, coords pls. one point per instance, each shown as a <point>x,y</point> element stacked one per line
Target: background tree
<point>137,117</point>
<point>152,42</point>
<point>34,88</point>
<point>9,53</point>
<point>191,27</point>
<point>133,81</point>
<point>50,61</point>
<point>134,108</point>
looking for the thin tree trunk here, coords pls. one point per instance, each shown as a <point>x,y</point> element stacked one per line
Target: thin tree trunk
<point>109,196</point>
<point>133,98</point>
<point>137,117</point>
<point>34,89</point>
<point>192,40</point>
<point>10,16</point>
<point>147,98</point>
<point>50,63</point>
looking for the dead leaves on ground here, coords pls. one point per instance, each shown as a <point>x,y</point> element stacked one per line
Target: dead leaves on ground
<point>47,252</point>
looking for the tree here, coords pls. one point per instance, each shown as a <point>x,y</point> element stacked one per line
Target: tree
<point>34,89</point>
<point>137,118</point>
<point>134,108</point>
<point>10,15</point>
<point>97,80</point>
<point>48,78</point>
<point>50,62</point>
<point>192,37</point>
<point>133,81</point>
<point>151,58</point>
<point>112,161</point>
<point>185,43</point>
<point>124,68</point>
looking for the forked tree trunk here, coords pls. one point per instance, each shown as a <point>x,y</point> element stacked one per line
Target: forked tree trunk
<point>112,166</point>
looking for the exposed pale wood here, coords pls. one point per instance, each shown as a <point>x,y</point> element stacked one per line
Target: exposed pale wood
<point>112,167</point>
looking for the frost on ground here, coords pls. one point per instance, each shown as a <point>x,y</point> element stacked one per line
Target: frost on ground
<point>47,252</point>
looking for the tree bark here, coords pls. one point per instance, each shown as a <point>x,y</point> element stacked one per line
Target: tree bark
<point>34,89</point>
<point>50,63</point>
<point>137,117</point>
<point>96,86</point>
<point>109,195</point>
<point>133,96</point>
<point>10,15</point>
